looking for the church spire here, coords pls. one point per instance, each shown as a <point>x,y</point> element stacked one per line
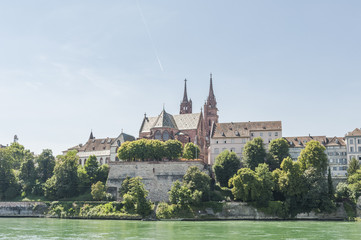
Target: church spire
<point>185,106</point>
<point>91,135</point>
<point>211,98</point>
<point>185,97</point>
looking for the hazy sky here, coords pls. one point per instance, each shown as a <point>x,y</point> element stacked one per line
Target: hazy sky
<point>67,67</point>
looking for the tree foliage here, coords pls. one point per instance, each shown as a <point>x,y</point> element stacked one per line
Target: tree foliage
<point>278,150</point>
<point>254,153</point>
<point>226,165</point>
<point>46,164</point>
<point>91,168</point>
<point>313,155</point>
<point>135,196</point>
<point>9,187</point>
<point>245,185</point>
<point>27,176</point>
<point>197,180</point>
<point>265,177</point>
<point>64,182</point>
<point>98,191</point>
<point>191,151</point>
<point>353,166</point>
<point>173,149</point>
<point>19,154</point>
<point>181,195</point>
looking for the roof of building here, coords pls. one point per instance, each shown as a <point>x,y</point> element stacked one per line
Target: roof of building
<point>243,129</point>
<point>179,122</point>
<point>356,132</point>
<point>123,137</point>
<point>165,120</point>
<point>301,141</point>
<point>97,144</point>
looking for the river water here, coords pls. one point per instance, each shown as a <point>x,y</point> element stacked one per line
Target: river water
<point>43,228</point>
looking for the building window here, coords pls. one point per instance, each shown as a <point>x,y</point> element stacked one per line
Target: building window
<point>269,140</point>
<point>243,140</point>
<point>351,149</point>
<point>233,149</point>
<point>261,134</point>
<point>252,134</point>
<point>158,135</point>
<point>270,134</point>
<point>334,168</point>
<point>276,134</point>
<point>165,135</point>
<point>351,141</point>
<point>225,141</point>
<point>216,150</point>
<point>359,140</point>
<point>232,140</point>
<point>216,142</point>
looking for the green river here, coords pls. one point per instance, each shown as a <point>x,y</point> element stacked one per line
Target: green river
<point>44,228</point>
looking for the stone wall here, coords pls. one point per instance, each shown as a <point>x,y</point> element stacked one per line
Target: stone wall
<point>23,209</point>
<point>157,176</point>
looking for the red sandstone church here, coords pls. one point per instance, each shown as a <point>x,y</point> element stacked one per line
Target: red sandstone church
<point>185,127</point>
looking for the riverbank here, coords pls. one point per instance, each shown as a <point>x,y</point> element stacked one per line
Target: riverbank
<point>115,210</point>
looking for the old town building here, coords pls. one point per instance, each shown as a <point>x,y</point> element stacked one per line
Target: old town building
<point>105,149</point>
<point>353,140</point>
<point>233,136</point>
<point>335,151</point>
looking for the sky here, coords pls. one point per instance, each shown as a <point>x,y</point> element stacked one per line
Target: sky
<point>68,67</point>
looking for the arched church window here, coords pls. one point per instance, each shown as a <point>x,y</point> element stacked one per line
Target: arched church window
<point>165,135</point>
<point>118,142</point>
<point>158,135</point>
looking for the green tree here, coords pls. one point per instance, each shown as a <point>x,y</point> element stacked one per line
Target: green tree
<point>102,173</point>
<point>27,176</point>
<point>180,194</point>
<point>136,195</point>
<point>313,155</point>
<point>173,149</point>
<point>245,185</point>
<point>226,165</point>
<point>91,167</point>
<point>64,182</point>
<point>46,164</point>
<point>124,152</point>
<point>19,154</point>
<point>197,180</point>
<point>155,150</point>
<point>353,166</point>
<point>254,153</point>
<point>84,182</point>
<point>9,187</point>
<point>98,191</point>
<point>291,184</point>
<point>265,177</point>
<point>354,184</point>
<point>331,190</point>
<point>278,150</point>
<point>191,151</point>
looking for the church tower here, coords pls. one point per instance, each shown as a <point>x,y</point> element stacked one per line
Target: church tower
<point>210,111</point>
<point>185,106</point>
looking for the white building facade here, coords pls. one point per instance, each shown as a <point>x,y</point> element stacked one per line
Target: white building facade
<point>105,149</point>
<point>336,151</point>
<point>353,140</point>
<point>233,136</point>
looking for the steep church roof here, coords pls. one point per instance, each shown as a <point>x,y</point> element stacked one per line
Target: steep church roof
<point>181,121</point>
<point>165,120</point>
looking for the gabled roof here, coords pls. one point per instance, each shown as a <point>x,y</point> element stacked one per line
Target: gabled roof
<point>301,141</point>
<point>243,129</point>
<point>187,121</point>
<point>179,122</point>
<point>97,145</point>
<point>356,132</point>
<point>165,120</point>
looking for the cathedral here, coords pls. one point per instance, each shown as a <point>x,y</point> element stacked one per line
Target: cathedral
<point>185,126</point>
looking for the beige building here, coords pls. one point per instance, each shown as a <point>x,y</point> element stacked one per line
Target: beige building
<point>105,149</point>
<point>233,136</point>
<point>335,151</point>
<point>353,140</point>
